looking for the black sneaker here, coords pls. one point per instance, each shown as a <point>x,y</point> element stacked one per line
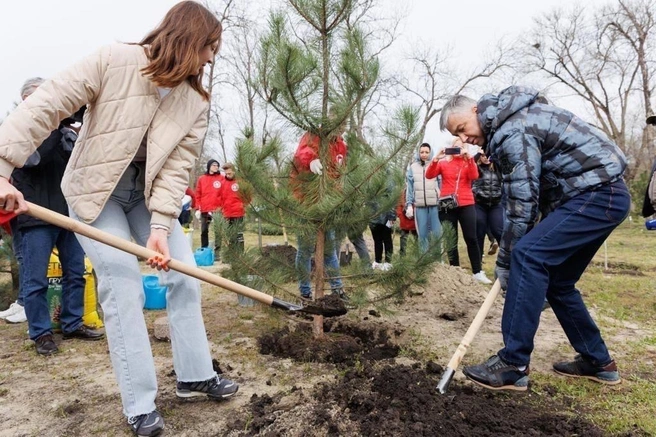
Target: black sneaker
<point>45,345</point>
<point>84,333</point>
<point>147,425</point>
<point>215,388</point>
<point>495,374</point>
<point>582,368</point>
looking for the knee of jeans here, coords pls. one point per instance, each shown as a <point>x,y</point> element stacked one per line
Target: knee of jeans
<point>520,254</point>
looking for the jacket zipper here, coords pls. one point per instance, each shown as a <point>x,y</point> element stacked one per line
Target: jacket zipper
<point>423,170</point>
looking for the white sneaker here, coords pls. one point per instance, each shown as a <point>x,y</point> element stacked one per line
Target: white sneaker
<point>18,317</point>
<point>14,308</point>
<point>385,267</point>
<point>480,277</point>
<point>375,265</point>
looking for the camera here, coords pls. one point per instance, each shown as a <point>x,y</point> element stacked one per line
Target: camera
<point>452,150</point>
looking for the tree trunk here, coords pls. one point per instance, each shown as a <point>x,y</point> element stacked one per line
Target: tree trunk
<point>317,327</point>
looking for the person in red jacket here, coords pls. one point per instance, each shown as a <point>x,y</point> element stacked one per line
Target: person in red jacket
<point>233,202</point>
<point>406,224</point>
<point>458,172</point>
<point>307,161</point>
<point>208,200</point>
<point>188,203</point>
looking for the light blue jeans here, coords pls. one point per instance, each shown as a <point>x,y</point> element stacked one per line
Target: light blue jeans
<point>306,246</point>
<point>121,296</point>
<point>428,225</point>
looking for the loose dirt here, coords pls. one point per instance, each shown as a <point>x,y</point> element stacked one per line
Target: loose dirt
<point>370,375</point>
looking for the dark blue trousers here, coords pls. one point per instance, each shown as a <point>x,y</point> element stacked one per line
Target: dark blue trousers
<point>36,244</point>
<point>548,261</point>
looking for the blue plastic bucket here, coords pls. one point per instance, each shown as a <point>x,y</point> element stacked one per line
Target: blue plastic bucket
<point>204,256</point>
<point>155,293</point>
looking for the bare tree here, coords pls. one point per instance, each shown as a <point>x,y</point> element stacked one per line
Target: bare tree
<point>434,78</point>
<point>634,24</point>
<point>602,57</point>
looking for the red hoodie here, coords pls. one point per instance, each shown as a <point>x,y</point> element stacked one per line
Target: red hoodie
<point>233,205</point>
<point>189,192</point>
<point>449,169</point>
<point>307,151</point>
<point>208,192</point>
<point>404,222</point>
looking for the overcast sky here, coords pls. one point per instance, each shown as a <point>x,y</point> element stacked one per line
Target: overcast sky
<point>42,37</point>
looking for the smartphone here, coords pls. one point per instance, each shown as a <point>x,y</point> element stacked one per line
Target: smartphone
<point>452,151</point>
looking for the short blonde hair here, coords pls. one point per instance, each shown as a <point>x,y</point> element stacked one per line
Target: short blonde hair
<point>228,166</point>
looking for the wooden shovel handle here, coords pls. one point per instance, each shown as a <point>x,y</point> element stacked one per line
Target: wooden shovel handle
<point>475,326</point>
<point>72,225</point>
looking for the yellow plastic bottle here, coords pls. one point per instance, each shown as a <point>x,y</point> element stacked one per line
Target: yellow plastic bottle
<point>90,316</point>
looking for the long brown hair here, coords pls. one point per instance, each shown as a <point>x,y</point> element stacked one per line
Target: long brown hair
<point>175,44</point>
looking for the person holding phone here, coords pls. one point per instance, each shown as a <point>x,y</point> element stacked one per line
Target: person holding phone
<point>421,198</point>
<point>458,171</point>
<point>487,195</point>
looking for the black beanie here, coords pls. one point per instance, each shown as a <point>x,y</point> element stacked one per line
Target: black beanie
<point>209,164</point>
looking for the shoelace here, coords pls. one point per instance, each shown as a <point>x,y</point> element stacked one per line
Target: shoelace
<point>496,364</point>
<point>134,419</point>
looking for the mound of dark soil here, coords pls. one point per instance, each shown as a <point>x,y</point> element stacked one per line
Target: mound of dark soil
<point>343,344</point>
<point>384,398</point>
<point>281,253</point>
<point>398,400</point>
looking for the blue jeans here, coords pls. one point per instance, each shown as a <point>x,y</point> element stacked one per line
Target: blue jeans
<point>121,295</point>
<point>15,244</point>
<point>428,225</point>
<point>36,244</point>
<point>306,245</point>
<point>361,248</point>
<point>548,261</point>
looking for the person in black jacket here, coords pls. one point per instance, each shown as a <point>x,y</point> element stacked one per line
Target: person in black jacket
<point>650,197</point>
<point>650,193</point>
<point>39,181</point>
<point>487,195</point>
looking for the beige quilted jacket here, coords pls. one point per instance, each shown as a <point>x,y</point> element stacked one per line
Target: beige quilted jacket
<point>123,106</point>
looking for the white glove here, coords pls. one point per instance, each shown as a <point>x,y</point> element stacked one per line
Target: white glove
<point>197,214</point>
<point>389,224</point>
<point>315,166</point>
<point>410,212</point>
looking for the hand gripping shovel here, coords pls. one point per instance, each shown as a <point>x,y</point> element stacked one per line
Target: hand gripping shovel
<point>467,339</point>
<point>326,308</point>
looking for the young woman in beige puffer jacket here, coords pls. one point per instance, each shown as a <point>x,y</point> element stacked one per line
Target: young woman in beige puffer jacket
<point>142,133</point>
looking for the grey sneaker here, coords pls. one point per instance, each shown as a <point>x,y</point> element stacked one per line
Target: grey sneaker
<point>215,388</point>
<point>582,368</point>
<point>147,425</point>
<point>496,374</point>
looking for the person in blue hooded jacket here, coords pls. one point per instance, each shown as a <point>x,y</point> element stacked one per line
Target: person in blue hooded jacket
<point>564,195</point>
<point>421,197</point>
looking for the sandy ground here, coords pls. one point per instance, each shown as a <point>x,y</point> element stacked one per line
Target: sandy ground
<point>74,392</point>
